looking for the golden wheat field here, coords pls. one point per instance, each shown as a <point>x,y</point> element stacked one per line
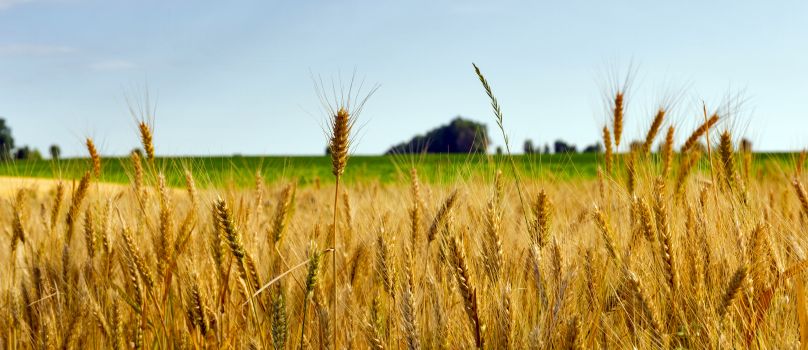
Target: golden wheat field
<point>683,248</point>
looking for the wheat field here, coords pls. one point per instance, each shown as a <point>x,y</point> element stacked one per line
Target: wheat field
<point>683,248</point>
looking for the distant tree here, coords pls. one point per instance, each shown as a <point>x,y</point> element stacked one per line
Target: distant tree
<point>55,152</point>
<point>459,136</point>
<point>746,145</point>
<point>563,147</point>
<point>27,153</point>
<point>6,141</point>
<point>137,151</point>
<point>499,150</point>
<point>636,146</point>
<point>528,147</point>
<point>546,149</point>
<point>594,148</point>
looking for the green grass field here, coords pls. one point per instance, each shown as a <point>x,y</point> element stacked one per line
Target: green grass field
<point>434,168</point>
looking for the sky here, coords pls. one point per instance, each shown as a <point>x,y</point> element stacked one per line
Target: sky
<point>237,77</point>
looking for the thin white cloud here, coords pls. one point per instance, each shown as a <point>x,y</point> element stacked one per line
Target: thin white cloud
<point>110,65</point>
<point>5,4</point>
<point>33,49</point>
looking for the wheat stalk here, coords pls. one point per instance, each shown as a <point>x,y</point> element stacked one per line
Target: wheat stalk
<point>467,290</point>
<point>137,174</point>
<point>725,151</point>
<point>231,234</point>
<point>384,262</point>
<point>75,205</point>
<point>647,221</point>
<point>685,169</point>
<point>57,205</point>
<point>311,282</point>
<point>94,157</point>
<point>665,238</point>
<point>417,207</point>
<point>802,195</point>
<point>506,319</point>
<point>137,258</point>
<point>607,234</point>
<point>492,252</point>
<point>646,304</point>
<point>498,116</point>
<point>653,130</point>
<point>617,117</point>
<point>280,321</point>
<point>166,235</point>
<point>18,231</point>
<point>408,307</point>
<point>198,308</point>
<point>282,213</point>
<point>631,172</point>
<point>543,214</point>
<point>441,216</point>
<point>667,153</point>
<point>340,125</point>
<point>732,291</point>
<point>89,233</point>
<point>802,315</point>
<point>698,133</point>
<point>146,139</point>
<point>190,188</point>
<point>607,142</point>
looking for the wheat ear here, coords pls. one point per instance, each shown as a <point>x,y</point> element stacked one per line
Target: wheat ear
<point>607,156</point>
<point>732,291</point>
<point>75,205</point>
<point>802,195</point>
<point>283,213</point>
<point>408,307</point>
<point>617,117</point>
<point>467,290</point>
<point>340,130</point>
<point>543,214</point>
<point>498,115</point>
<point>492,252</point>
<point>18,231</point>
<point>725,151</point>
<point>146,139</point>
<point>280,320</point>
<point>94,157</point>
<point>667,153</point>
<point>701,130</point>
<point>653,130</point>
<point>57,205</point>
<point>441,216</point>
<point>311,282</point>
<point>665,238</point>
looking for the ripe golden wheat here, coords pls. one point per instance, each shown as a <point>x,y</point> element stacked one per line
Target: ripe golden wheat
<point>663,251</point>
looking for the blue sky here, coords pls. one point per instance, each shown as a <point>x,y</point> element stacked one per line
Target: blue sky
<point>235,77</point>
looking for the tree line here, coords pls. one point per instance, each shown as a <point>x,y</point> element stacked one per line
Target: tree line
<point>460,135</point>
<point>466,136</point>
<point>9,151</point>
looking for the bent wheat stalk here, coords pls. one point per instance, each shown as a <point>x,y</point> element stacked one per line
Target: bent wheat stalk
<point>498,116</point>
